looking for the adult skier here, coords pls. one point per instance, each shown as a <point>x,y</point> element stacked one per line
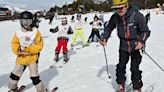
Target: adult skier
<point>63,30</point>
<point>95,29</point>
<point>133,33</point>
<point>26,44</point>
<point>147,17</point>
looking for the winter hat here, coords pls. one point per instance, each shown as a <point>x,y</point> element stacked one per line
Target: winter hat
<point>119,3</point>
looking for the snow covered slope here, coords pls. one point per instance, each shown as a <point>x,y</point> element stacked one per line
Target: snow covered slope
<point>86,69</point>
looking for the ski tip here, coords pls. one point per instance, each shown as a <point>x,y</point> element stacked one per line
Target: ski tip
<point>23,86</point>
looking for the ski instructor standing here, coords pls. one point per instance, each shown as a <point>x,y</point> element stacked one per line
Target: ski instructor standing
<point>133,33</point>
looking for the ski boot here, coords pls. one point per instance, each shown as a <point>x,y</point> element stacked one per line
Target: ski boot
<point>121,88</point>
<point>65,57</point>
<point>56,57</point>
<point>137,89</point>
<point>89,41</point>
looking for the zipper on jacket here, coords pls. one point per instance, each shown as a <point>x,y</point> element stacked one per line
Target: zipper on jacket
<point>127,34</point>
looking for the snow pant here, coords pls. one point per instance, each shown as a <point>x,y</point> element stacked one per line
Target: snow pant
<point>121,68</point>
<point>93,33</point>
<point>75,35</point>
<point>62,42</point>
<point>17,73</point>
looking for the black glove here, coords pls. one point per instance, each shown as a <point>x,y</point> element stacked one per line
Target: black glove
<point>69,32</point>
<point>52,30</point>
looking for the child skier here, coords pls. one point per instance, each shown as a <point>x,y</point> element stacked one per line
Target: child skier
<point>95,29</point>
<point>63,30</point>
<point>26,44</point>
<point>78,30</point>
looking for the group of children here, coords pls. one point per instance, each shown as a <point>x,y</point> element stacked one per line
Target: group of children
<point>64,29</point>
<point>27,44</point>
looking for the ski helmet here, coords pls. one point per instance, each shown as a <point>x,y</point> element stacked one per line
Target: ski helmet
<point>64,20</point>
<point>119,3</point>
<point>26,19</point>
<point>79,15</point>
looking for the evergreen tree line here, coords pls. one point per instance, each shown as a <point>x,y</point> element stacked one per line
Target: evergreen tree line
<point>102,6</point>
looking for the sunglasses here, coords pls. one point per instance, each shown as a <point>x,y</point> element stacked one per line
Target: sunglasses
<point>120,8</point>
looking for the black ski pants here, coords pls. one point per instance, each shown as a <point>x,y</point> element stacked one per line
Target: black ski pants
<point>134,67</point>
<point>93,33</point>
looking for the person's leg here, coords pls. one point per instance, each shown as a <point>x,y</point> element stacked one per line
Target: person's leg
<point>57,50</point>
<point>136,73</point>
<point>65,50</point>
<point>75,35</point>
<point>34,75</point>
<point>15,76</point>
<point>58,47</point>
<point>91,36</point>
<point>98,34</point>
<point>93,39</point>
<point>121,70</point>
<point>82,36</point>
<point>121,67</point>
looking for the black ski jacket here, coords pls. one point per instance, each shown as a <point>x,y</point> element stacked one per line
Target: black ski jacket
<point>131,28</point>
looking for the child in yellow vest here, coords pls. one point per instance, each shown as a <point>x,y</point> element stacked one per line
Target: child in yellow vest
<point>26,44</point>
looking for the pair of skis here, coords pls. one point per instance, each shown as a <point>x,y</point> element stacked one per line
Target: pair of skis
<point>60,66</point>
<point>80,47</point>
<point>59,63</point>
<point>129,88</point>
<point>22,88</point>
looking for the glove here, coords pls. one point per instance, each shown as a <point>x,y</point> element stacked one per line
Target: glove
<point>69,32</point>
<point>103,42</point>
<point>51,30</point>
<point>139,46</point>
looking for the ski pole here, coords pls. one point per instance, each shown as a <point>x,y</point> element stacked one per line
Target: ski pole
<point>106,62</point>
<point>153,60</point>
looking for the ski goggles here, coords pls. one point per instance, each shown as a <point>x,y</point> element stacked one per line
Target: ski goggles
<point>26,22</point>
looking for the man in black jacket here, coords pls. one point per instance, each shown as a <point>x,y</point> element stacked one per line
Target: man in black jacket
<point>133,33</point>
